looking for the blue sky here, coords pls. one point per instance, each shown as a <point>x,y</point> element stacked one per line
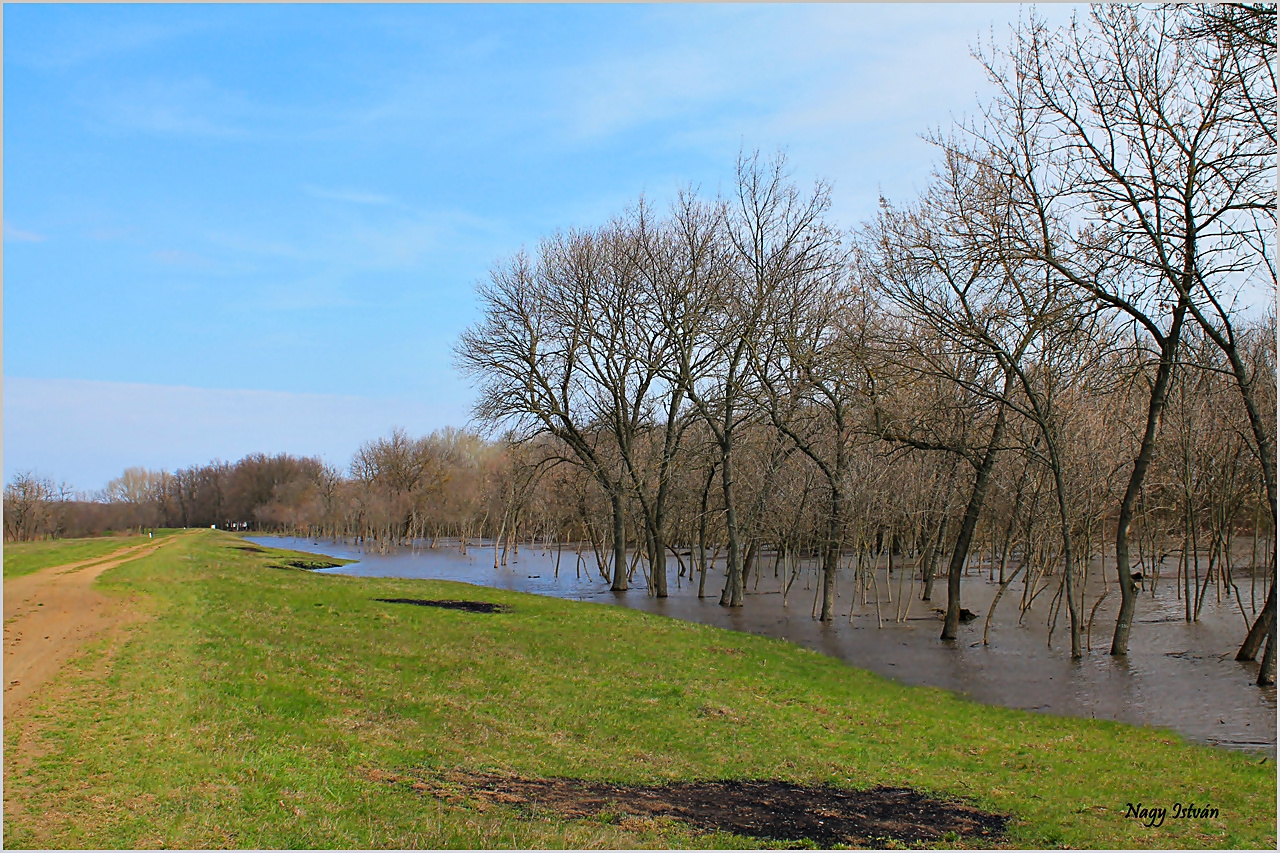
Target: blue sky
<point>250,228</point>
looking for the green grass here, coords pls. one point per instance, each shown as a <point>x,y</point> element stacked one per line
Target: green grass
<point>253,707</point>
<point>23,558</point>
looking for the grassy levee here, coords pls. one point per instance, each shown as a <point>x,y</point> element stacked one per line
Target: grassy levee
<point>263,708</point>
<point>23,558</point>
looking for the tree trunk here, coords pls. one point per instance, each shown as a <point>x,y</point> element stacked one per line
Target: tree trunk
<point>731,596</point>
<point>951,625</point>
<point>1159,392</point>
<point>619,544</point>
<point>1261,627</point>
<point>1267,672</point>
<point>748,563</point>
<point>831,555</point>
<point>658,563</point>
<point>702,534</point>
<point>928,566</point>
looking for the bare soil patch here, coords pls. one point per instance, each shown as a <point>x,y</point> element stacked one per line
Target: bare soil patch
<point>451,604</point>
<point>769,809</point>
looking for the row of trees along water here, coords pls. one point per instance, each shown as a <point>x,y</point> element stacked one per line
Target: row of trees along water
<point>459,487</point>
<point>1093,254</point>
<point>1059,357</point>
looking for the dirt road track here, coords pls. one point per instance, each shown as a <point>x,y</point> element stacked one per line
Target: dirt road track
<point>49,616</point>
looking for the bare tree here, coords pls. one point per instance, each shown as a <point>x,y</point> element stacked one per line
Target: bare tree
<point>31,507</point>
<point>771,231</point>
<point>1123,157</point>
<point>808,365</point>
<point>530,355</point>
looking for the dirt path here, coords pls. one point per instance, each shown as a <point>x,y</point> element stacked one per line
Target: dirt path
<point>49,615</point>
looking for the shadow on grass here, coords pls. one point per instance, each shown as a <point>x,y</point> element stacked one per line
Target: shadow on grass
<point>451,604</point>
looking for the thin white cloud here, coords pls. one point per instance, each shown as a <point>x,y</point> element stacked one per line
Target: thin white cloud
<point>20,235</point>
<point>373,237</point>
<point>109,233</point>
<point>72,46</point>
<point>718,75</point>
<point>254,245</point>
<point>192,107</point>
<point>616,94</point>
<point>347,195</point>
<point>183,258</point>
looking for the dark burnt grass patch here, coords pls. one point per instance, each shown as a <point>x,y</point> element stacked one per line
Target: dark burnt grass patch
<point>768,809</point>
<point>451,604</point>
<point>252,549</point>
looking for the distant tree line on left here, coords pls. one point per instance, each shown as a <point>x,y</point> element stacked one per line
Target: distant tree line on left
<point>395,489</point>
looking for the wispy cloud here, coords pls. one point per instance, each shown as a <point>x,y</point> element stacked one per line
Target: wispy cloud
<point>20,235</point>
<point>374,236</point>
<point>183,258</point>
<point>70,46</point>
<point>348,195</point>
<point>107,233</point>
<point>190,107</point>
<point>616,94</point>
<point>258,245</point>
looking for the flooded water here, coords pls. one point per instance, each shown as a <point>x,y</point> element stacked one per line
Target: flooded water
<point>1177,675</point>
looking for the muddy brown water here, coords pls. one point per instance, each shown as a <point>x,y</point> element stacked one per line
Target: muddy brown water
<point>1177,675</point>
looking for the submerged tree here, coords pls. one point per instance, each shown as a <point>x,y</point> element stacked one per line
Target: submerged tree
<point>1122,151</point>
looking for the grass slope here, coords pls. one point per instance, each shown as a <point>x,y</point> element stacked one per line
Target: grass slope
<point>23,558</point>
<point>261,708</point>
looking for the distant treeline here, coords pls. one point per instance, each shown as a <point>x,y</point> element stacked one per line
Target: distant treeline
<point>395,486</point>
